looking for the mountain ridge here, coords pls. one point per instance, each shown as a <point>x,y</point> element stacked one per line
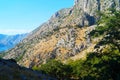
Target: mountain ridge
<point>64,35</point>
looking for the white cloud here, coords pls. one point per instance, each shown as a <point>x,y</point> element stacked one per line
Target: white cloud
<point>13,31</point>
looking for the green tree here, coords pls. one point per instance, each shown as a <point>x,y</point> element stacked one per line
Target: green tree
<point>109,28</point>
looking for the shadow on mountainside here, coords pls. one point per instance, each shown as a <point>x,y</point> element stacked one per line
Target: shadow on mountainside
<point>10,70</point>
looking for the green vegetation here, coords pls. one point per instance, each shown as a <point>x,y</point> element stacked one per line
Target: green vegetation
<point>101,65</point>
<point>55,69</point>
<point>109,28</point>
<point>96,67</point>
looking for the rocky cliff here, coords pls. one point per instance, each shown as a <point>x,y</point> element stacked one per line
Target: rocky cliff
<point>64,36</point>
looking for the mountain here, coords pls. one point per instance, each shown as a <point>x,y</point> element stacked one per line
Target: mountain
<point>10,70</point>
<point>65,36</point>
<point>9,41</point>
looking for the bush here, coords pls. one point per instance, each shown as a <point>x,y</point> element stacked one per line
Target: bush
<point>97,66</point>
<point>56,69</point>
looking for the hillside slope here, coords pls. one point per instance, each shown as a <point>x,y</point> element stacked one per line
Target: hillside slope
<point>64,35</point>
<point>101,64</point>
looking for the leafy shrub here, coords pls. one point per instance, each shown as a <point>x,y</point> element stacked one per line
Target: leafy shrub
<point>55,69</point>
<point>109,28</point>
<point>97,66</point>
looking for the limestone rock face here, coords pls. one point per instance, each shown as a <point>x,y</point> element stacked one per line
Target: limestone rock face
<point>88,9</point>
<point>64,35</point>
<point>83,13</point>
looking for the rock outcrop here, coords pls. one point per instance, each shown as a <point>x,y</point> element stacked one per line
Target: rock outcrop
<point>87,10</point>
<point>64,35</point>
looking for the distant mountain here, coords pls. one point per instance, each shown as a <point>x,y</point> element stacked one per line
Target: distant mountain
<point>9,41</point>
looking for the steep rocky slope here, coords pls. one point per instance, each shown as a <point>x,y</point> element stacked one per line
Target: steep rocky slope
<point>9,41</point>
<point>10,70</point>
<point>65,35</point>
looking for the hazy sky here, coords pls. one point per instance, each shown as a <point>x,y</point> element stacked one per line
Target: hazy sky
<point>19,16</point>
